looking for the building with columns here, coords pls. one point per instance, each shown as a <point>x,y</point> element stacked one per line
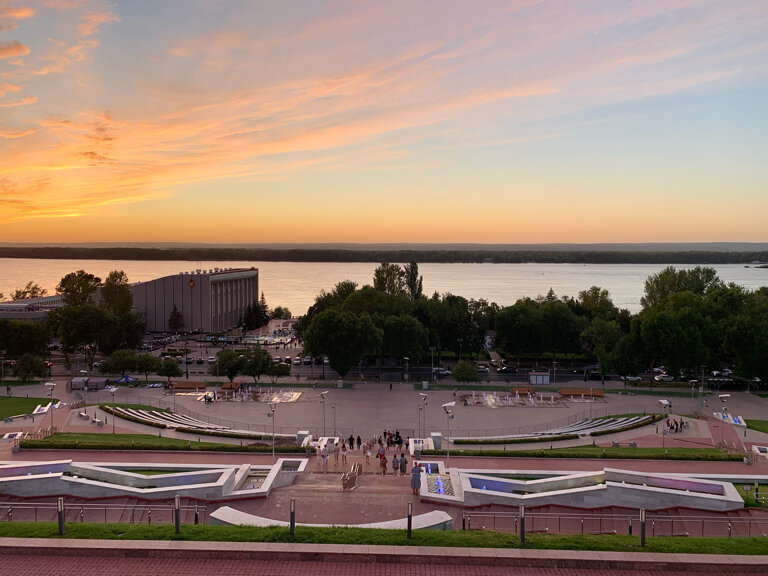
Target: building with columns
<point>209,300</point>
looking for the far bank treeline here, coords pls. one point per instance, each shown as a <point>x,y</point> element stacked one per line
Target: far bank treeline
<point>690,321</point>
<point>426,255</point>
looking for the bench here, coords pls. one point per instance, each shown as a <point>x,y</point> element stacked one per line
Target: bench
<point>617,444</point>
<point>230,386</point>
<point>178,386</point>
<point>96,421</point>
<point>83,415</point>
<point>523,391</point>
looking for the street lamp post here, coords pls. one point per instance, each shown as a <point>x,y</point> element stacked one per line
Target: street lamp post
<point>423,408</point>
<point>112,391</point>
<point>460,341</point>
<point>554,371</point>
<point>448,408</point>
<point>271,414</point>
<point>723,420</point>
<point>51,386</point>
<point>333,408</point>
<point>322,401</point>
<point>406,367</point>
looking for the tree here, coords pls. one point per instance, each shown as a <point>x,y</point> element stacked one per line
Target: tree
<point>342,336</point>
<point>599,339</point>
<point>326,301</point>
<point>21,336</point>
<point>256,362</point>
<point>78,288</point>
<point>176,320</point>
<point>390,279</point>
<point>596,303</point>
<point>81,327</point>
<point>277,371</point>
<point>465,371</point>
<point>31,290</point>
<point>413,282</point>
<point>659,287</point>
<point>116,294</point>
<point>281,313</point>
<point>120,362</point>
<point>404,336</point>
<point>29,367</point>
<point>228,364</point>
<point>147,364</point>
<point>169,368</point>
<point>518,329</point>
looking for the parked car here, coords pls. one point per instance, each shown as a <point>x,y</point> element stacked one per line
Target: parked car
<point>307,360</point>
<point>441,372</point>
<point>494,363</point>
<point>664,378</point>
<point>507,370</point>
<point>632,378</point>
<point>211,359</point>
<point>297,361</point>
<point>200,360</point>
<point>482,369</point>
<point>98,363</point>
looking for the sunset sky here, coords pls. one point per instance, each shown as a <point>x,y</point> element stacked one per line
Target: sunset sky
<point>386,121</point>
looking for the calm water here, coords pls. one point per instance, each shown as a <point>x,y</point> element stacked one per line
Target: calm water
<point>295,284</point>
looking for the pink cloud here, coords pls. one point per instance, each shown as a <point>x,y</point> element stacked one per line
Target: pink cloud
<point>13,48</point>
<point>91,22</point>
<point>21,13</point>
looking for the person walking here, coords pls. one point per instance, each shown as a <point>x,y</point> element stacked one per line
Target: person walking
<point>351,441</point>
<point>343,453</point>
<point>336,454</point>
<point>416,478</point>
<point>403,464</point>
<point>359,442</point>
<point>382,451</point>
<point>395,465</point>
<point>383,464</point>
<point>324,456</point>
<point>368,456</point>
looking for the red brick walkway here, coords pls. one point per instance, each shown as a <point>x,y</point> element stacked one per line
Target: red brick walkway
<point>13,565</point>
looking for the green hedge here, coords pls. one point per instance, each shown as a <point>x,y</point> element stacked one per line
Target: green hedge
<point>190,447</point>
<point>614,453</point>
<point>639,424</point>
<point>516,440</point>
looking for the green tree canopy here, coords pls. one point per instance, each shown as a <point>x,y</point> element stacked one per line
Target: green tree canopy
<point>31,290</point>
<point>176,320</point>
<point>116,295</point>
<point>120,362</point>
<point>29,367</point>
<point>465,371</point>
<point>147,364</point>
<point>390,279</point>
<point>78,288</point>
<point>342,336</point>
<point>169,368</point>
<point>414,283</point>
<point>659,287</point>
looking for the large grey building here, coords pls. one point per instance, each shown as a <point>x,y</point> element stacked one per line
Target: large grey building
<point>209,300</point>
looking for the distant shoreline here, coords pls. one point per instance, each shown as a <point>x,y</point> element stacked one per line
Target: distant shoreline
<point>423,254</point>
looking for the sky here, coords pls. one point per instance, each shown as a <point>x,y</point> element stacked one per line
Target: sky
<point>518,121</point>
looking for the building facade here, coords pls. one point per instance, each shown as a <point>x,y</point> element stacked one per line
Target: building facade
<point>209,300</point>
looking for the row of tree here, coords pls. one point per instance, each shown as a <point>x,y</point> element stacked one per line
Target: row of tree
<point>690,321</point>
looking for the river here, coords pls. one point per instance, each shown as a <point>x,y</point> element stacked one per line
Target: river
<point>295,284</point>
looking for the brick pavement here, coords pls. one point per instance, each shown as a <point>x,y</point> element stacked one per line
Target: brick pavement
<point>15,565</point>
<point>137,558</point>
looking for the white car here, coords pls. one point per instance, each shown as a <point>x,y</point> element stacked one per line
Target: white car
<point>664,378</point>
<point>632,378</point>
<point>211,359</point>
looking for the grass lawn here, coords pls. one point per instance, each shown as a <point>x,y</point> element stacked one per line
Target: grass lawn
<point>18,406</point>
<point>341,535</point>
<point>759,425</point>
<point>749,495</point>
<point>145,441</point>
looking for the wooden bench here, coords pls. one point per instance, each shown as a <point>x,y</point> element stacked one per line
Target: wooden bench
<point>180,386</point>
<point>230,386</point>
<point>523,391</point>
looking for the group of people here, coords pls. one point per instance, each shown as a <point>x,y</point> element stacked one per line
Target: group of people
<point>674,425</point>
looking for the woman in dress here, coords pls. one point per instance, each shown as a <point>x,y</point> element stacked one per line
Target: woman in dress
<point>416,478</point>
